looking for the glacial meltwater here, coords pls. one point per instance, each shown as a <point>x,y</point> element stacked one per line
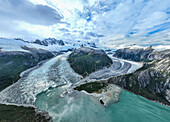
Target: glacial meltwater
<point>80,107</point>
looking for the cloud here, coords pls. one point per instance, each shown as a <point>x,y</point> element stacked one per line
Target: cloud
<point>116,21</point>
<point>94,34</point>
<point>64,30</point>
<point>12,12</point>
<point>23,10</point>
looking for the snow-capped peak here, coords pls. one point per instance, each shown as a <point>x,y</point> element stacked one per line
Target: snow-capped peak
<point>49,41</point>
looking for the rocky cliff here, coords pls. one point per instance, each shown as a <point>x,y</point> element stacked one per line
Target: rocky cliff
<point>151,81</point>
<point>148,54</point>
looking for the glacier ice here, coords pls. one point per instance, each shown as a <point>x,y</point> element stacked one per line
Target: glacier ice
<point>54,72</point>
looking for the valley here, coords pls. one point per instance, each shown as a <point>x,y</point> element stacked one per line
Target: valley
<point>55,85</point>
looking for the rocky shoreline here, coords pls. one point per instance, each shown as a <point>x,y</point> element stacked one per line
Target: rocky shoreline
<point>24,112</point>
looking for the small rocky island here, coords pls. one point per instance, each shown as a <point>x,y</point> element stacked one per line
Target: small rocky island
<point>87,60</point>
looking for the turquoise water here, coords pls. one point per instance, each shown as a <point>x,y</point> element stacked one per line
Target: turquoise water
<point>79,107</point>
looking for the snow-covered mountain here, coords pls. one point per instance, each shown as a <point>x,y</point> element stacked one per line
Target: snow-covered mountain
<point>135,46</point>
<point>55,45</point>
<point>49,41</point>
<point>50,44</point>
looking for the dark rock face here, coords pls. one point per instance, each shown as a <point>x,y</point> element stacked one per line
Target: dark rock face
<point>151,81</point>
<point>42,116</point>
<point>37,41</point>
<point>87,60</point>
<point>101,101</point>
<point>92,45</point>
<point>49,41</point>
<point>11,113</point>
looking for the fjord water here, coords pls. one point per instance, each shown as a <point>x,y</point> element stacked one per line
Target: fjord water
<point>79,107</point>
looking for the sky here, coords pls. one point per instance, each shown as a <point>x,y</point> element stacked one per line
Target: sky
<point>107,22</point>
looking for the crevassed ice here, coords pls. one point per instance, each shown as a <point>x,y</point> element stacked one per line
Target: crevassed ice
<point>54,72</point>
<point>119,67</point>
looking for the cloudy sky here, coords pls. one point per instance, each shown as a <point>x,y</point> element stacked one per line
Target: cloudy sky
<point>107,22</point>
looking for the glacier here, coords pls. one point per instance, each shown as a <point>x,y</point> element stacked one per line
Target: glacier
<point>54,72</point>
<point>119,67</point>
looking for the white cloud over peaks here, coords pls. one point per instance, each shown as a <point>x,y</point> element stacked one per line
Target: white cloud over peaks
<point>112,22</point>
